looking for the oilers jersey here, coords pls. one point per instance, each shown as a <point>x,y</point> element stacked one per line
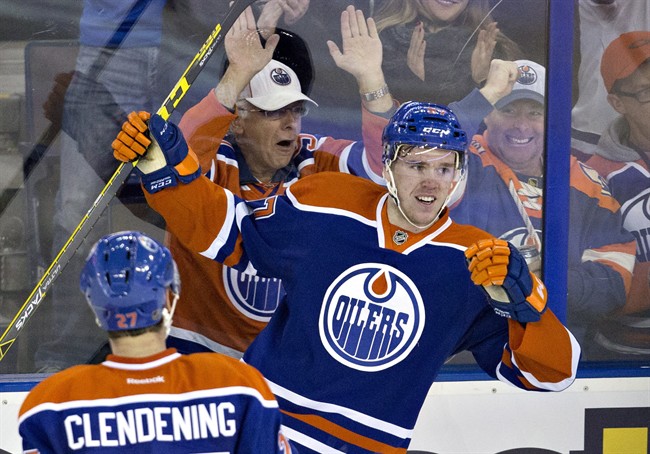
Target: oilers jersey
<point>509,206</point>
<point>629,181</point>
<point>165,403</point>
<point>221,308</point>
<point>366,323</point>
<point>628,177</point>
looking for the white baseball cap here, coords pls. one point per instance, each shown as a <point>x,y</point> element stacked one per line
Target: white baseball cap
<point>529,85</point>
<point>274,87</point>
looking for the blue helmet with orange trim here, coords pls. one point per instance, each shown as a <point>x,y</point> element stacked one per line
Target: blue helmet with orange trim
<point>126,279</point>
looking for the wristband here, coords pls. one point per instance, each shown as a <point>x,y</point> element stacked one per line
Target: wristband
<point>376,94</point>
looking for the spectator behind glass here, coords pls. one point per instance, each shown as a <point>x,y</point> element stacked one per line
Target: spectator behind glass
<point>131,285</point>
<point>623,158</point>
<point>187,24</point>
<point>504,196</point>
<point>114,74</point>
<point>259,102</point>
<point>601,21</point>
<point>438,51</point>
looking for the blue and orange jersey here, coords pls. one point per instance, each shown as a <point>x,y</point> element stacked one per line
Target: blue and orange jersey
<point>164,403</point>
<point>362,315</point>
<point>510,206</point>
<point>239,305</point>
<point>629,182</point>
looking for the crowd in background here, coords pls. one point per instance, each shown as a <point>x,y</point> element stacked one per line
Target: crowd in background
<point>433,51</point>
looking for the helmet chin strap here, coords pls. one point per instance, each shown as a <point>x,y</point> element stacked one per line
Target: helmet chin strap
<point>392,190</point>
<point>168,314</point>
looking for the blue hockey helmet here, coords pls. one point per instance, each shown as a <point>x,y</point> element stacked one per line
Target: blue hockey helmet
<point>125,280</point>
<point>422,124</point>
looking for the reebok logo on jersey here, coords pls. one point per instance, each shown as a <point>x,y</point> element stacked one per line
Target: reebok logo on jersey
<point>371,318</point>
<point>145,381</point>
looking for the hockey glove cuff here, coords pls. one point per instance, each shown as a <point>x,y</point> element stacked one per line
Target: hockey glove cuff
<point>502,272</point>
<point>163,161</point>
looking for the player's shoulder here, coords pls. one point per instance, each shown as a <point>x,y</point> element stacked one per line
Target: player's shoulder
<point>222,370</point>
<point>462,235</point>
<point>340,191</point>
<point>56,387</point>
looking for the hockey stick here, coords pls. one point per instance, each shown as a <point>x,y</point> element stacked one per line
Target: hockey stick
<point>121,173</point>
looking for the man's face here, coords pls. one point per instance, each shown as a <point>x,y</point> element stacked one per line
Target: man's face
<point>516,135</point>
<point>268,142</point>
<point>631,104</point>
<point>424,180</point>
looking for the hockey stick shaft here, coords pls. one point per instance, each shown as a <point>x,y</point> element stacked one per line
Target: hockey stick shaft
<point>119,176</point>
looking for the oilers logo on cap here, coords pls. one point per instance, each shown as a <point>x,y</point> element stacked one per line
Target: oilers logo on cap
<point>527,75</point>
<point>371,318</point>
<point>280,76</point>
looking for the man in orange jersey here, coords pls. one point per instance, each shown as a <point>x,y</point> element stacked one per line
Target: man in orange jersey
<point>145,397</point>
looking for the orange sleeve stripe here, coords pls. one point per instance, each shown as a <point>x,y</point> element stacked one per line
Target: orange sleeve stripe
<point>345,434</point>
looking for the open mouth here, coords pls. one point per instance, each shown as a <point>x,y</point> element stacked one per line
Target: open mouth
<point>289,144</point>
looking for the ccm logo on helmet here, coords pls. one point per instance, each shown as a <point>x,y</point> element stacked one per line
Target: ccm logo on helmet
<point>431,130</point>
<point>371,318</point>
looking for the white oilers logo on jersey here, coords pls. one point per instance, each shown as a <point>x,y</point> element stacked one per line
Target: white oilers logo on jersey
<point>371,318</point>
<point>254,296</point>
<point>636,220</point>
<point>280,76</point>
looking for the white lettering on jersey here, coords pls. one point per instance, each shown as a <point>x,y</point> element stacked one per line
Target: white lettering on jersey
<point>143,425</point>
<point>145,381</point>
<point>371,318</point>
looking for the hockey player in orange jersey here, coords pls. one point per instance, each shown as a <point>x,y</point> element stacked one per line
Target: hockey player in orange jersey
<point>382,286</point>
<point>144,397</point>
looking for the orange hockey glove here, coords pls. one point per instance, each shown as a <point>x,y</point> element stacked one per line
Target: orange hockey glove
<point>132,142</point>
<point>514,291</point>
<point>163,156</point>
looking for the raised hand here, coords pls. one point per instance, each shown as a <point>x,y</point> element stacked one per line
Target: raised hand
<point>482,54</point>
<point>500,80</point>
<point>244,48</point>
<point>502,272</point>
<point>272,10</point>
<point>415,54</point>
<point>361,51</point>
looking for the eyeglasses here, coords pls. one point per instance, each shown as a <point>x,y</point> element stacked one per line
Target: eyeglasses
<point>642,96</point>
<point>297,111</point>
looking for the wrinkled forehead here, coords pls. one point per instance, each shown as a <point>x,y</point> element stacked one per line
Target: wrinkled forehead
<point>412,154</point>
